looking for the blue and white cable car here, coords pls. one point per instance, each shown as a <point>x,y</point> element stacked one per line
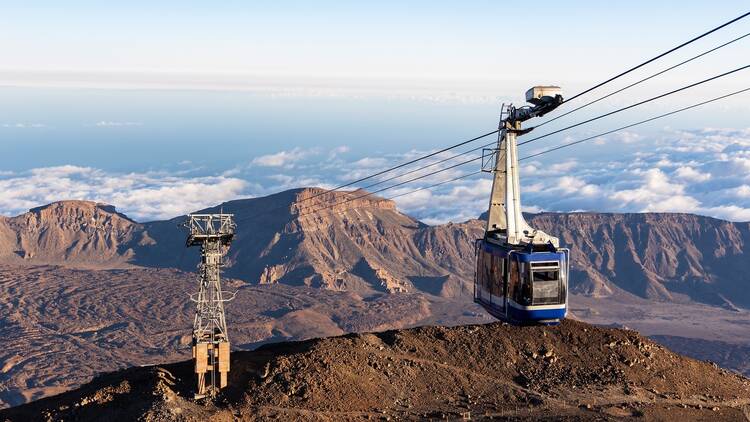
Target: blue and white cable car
<point>521,286</point>
<point>521,273</point>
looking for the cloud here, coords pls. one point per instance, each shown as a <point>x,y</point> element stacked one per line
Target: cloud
<point>23,125</point>
<point>656,194</point>
<point>284,182</point>
<point>335,152</point>
<point>436,89</point>
<point>728,212</point>
<point>691,175</point>
<point>742,191</point>
<point>369,163</point>
<point>142,196</point>
<point>626,137</point>
<point>572,184</point>
<point>286,159</point>
<point>107,123</point>
<point>704,171</point>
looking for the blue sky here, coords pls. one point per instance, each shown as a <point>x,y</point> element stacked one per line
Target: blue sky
<point>192,98</point>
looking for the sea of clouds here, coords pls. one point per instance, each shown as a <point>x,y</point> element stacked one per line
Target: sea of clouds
<point>705,171</point>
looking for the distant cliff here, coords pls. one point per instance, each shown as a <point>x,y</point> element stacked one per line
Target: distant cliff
<point>366,245</point>
<point>674,257</point>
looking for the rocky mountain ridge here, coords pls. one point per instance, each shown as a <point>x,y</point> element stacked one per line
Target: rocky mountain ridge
<point>366,246</point>
<point>78,276</point>
<point>79,233</point>
<point>664,256</point>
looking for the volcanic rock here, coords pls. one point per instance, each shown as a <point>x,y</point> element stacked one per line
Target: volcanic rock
<point>485,371</point>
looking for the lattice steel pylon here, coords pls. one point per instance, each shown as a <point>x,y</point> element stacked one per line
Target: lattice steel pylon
<point>213,233</point>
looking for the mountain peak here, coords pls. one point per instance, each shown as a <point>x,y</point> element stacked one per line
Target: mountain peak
<point>75,205</point>
<point>69,232</point>
<point>313,198</point>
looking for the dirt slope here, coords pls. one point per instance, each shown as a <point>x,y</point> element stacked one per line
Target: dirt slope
<point>574,371</point>
<point>61,327</point>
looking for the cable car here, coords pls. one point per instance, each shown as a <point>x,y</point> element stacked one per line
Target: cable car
<point>521,273</point>
<point>520,285</point>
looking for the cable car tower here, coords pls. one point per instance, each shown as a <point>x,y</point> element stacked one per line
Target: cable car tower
<point>521,273</point>
<point>213,233</point>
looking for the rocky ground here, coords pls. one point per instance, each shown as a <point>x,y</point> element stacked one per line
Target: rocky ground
<point>86,290</point>
<point>572,371</point>
<point>61,327</point>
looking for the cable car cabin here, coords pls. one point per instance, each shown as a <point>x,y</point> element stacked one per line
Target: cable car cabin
<point>522,286</point>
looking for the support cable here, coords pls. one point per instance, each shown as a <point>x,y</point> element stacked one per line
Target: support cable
<point>379,173</point>
<point>522,159</point>
<point>637,104</point>
<point>396,167</point>
<point>634,124</point>
<point>658,57</point>
<point>592,102</point>
<point>495,131</point>
<point>435,185</point>
<point>644,79</point>
<point>347,200</point>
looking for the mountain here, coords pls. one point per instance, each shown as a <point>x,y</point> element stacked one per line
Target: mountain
<point>62,326</point>
<point>573,371</point>
<point>665,257</point>
<point>364,246</point>
<point>84,289</point>
<point>76,233</point>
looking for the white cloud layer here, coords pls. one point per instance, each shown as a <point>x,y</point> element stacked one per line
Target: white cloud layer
<point>704,171</point>
<point>142,196</point>
<point>109,123</point>
<point>698,171</point>
<point>21,125</point>
<point>287,159</point>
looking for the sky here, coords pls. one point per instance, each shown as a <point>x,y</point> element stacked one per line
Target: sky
<point>162,109</point>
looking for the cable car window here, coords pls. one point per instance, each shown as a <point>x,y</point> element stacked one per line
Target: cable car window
<point>487,263</point>
<point>546,287</point>
<point>513,280</point>
<point>500,280</point>
<point>480,268</point>
<point>549,275</point>
<point>525,290</point>
<point>519,287</point>
<point>493,273</point>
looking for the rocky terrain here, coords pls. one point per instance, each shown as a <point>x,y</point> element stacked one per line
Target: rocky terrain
<point>77,233</point>
<point>665,257</point>
<point>368,246</point>
<point>62,326</point>
<point>86,290</point>
<point>365,245</point>
<point>572,371</point>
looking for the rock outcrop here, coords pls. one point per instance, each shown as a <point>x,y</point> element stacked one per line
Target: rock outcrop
<point>74,233</point>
